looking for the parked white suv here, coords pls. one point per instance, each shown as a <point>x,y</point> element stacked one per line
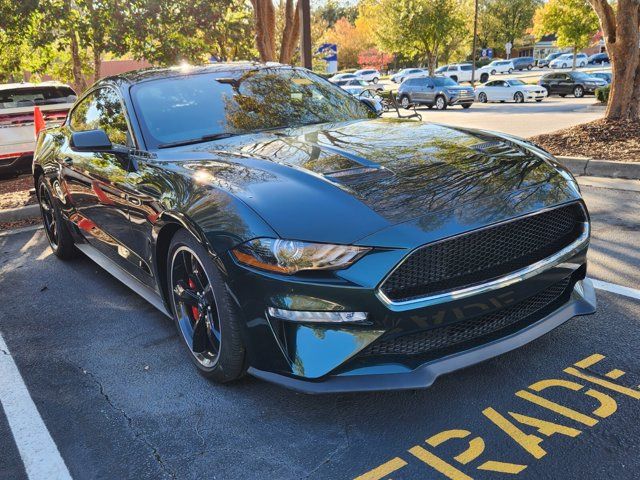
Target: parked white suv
<point>499,66</point>
<point>368,75</point>
<point>461,72</point>
<point>405,73</point>
<point>566,61</point>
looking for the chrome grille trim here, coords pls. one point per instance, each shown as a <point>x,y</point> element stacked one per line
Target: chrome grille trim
<point>504,281</point>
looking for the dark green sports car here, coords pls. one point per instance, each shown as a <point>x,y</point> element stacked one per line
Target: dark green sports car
<point>294,235</point>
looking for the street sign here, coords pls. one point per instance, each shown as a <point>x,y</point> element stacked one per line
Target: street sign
<point>490,52</point>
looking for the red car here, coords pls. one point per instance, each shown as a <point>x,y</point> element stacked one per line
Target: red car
<point>17,102</point>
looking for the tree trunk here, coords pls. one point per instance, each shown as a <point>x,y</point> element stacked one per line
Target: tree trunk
<point>76,66</point>
<point>97,64</point>
<point>575,53</point>
<point>264,16</point>
<point>622,37</point>
<point>291,32</point>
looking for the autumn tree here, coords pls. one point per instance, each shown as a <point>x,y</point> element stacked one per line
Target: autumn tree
<point>573,22</point>
<point>621,29</point>
<point>509,19</point>
<point>419,28</point>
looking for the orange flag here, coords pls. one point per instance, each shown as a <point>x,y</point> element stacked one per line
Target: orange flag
<point>38,121</point>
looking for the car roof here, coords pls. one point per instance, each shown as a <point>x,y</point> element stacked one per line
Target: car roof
<point>14,86</point>
<point>154,73</point>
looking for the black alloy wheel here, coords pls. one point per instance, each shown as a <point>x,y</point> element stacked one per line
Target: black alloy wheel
<point>60,240</point>
<point>203,311</point>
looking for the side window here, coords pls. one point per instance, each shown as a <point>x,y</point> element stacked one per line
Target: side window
<point>452,68</point>
<point>102,110</point>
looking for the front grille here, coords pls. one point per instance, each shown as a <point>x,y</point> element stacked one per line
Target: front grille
<point>438,339</point>
<point>483,255</point>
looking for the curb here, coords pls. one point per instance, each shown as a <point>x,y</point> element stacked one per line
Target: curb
<point>19,213</point>
<point>601,168</point>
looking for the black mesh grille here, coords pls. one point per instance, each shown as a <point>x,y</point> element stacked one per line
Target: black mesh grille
<point>436,339</point>
<point>483,255</point>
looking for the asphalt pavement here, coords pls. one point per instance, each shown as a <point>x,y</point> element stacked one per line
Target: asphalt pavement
<point>521,119</point>
<point>119,398</point>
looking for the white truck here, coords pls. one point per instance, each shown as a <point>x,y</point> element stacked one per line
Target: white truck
<point>17,131</point>
<point>461,72</point>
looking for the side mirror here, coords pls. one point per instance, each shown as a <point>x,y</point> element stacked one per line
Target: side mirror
<point>372,105</point>
<point>91,141</point>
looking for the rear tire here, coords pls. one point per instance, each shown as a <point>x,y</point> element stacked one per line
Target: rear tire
<point>58,235</point>
<point>466,105</point>
<point>215,346</point>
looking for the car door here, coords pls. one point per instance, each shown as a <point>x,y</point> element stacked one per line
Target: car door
<point>429,89</point>
<point>565,84</point>
<point>94,180</point>
<point>420,90</point>
<point>501,90</point>
<point>550,82</point>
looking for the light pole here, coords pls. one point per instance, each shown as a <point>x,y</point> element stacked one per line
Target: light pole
<point>473,53</point>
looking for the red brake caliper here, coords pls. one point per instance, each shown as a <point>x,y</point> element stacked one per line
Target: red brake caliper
<point>194,310</point>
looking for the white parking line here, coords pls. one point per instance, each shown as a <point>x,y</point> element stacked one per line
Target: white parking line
<point>619,289</point>
<point>39,453</point>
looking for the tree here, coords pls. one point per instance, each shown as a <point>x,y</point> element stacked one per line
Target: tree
<point>374,58</point>
<point>264,14</point>
<point>621,29</point>
<point>350,41</point>
<point>419,28</point>
<point>511,18</point>
<point>573,22</point>
<point>332,11</point>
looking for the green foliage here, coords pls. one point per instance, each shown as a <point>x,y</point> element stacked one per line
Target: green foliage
<point>573,21</point>
<point>332,11</point>
<point>502,21</point>
<point>420,28</point>
<point>602,94</point>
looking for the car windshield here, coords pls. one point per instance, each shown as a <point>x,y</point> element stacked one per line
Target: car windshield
<point>444,82</point>
<point>31,96</point>
<point>193,108</point>
<point>516,83</point>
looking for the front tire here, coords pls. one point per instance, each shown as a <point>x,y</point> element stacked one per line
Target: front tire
<point>482,97</point>
<point>466,105</point>
<point>58,235</point>
<point>441,103</point>
<point>518,97</point>
<point>405,102</point>
<point>578,91</point>
<point>205,314</point>
<point>375,80</point>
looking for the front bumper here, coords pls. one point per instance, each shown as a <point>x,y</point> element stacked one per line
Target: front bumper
<point>582,302</point>
<point>319,358</point>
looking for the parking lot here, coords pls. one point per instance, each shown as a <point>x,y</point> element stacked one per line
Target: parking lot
<point>119,398</point>
<point>522,119</point>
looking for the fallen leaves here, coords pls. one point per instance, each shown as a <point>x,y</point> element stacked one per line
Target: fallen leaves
<point>601,139</point>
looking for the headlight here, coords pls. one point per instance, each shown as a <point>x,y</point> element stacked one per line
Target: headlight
<point>452,92</point>
<point>291,256</point>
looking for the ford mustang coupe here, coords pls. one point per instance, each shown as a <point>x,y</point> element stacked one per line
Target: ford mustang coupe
<point>294,235</point>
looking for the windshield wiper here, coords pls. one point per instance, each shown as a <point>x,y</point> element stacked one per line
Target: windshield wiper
<point>204,138</point>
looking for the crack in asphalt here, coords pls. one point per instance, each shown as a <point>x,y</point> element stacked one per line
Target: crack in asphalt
<point>137,432</point>
<point>341,447</point>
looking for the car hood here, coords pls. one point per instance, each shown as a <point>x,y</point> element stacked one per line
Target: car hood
<point>342,182</point>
